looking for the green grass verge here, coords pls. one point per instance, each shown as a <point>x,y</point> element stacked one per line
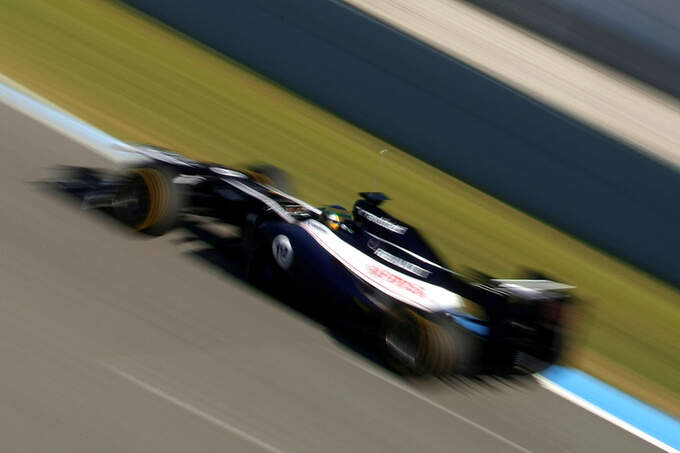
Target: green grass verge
<point>141,81</point>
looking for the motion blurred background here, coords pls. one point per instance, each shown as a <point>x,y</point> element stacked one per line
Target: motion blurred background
<point>537,134</point>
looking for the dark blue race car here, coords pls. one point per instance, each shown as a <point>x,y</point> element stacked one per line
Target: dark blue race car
<point>364,265</point>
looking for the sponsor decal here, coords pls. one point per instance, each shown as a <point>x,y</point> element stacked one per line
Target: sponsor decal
<point>402,263</point>
<point>396,284</point>
<point>283,251</point>
<point>382,221</point>
<point>384,274</point>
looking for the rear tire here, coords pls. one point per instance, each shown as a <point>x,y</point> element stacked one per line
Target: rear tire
<point>416,345</point>
<point>148,201</point>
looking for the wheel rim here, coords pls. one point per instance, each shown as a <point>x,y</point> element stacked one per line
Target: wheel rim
<point>132,202</point>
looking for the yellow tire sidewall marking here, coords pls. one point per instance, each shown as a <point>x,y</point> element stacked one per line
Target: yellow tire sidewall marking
<point>159,196</point>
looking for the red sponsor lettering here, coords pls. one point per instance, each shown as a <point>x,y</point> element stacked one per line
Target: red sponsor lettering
<point>394,279</point>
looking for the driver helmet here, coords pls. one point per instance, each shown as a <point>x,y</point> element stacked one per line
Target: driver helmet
<point>335,216</point>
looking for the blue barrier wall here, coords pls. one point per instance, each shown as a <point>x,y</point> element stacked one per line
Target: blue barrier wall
<point>451,116</point>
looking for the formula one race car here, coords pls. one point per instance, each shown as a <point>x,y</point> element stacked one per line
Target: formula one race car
<point>365,265</point>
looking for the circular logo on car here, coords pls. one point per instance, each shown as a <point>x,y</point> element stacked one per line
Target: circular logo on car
<point>283,251</point>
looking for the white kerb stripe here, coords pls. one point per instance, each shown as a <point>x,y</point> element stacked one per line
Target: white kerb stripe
<point>590,407</point>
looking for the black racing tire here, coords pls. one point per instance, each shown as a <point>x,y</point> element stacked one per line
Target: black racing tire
<point>148,201</point>
<point>418,346</point>
<point>467,349</point>
<point>272,176</point>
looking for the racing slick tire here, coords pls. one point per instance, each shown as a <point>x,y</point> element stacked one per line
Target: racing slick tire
<point>148,201</point>
<point>415,345</point>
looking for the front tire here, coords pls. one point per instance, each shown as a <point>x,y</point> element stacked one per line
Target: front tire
<point>148,201</point>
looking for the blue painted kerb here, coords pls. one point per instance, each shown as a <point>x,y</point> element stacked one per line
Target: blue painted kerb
<point>67,124</point>
<point>630,410</point>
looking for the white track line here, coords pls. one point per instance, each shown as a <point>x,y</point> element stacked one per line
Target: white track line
<point>195,411</point>
<point>431,402</point>
<point>575,399</point>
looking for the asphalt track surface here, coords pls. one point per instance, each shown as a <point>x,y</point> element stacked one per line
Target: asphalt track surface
<point>112,342</point>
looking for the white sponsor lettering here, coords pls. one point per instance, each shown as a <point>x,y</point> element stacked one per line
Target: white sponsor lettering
<point>382,221</point>
<point>402,263</point>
